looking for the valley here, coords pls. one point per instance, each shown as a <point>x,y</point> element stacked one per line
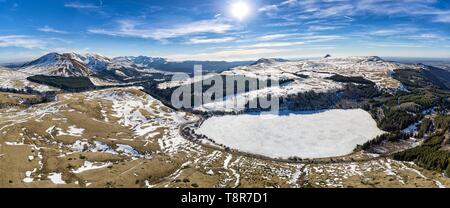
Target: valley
<point>111,124</point>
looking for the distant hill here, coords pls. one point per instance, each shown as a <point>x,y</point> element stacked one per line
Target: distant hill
<point>269,61</point>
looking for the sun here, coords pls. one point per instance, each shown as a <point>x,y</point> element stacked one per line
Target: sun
<point>240,10</point>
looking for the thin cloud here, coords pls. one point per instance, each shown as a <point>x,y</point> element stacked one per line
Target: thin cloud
<point>407,33</point>
<point>282,24</point>
<point>276,36</point>
<point>77,5</point>
<point>387,32</point>
<point>322,28</point>
<point>321,38</point>
<point>443,18</point>
<point>48,29</point>
<point>273,44</point>
<point>131,29</point>
<point>204,40</point>
<point>350,9</point>
<point>268,8</point>
<point>275,7</point>
<point>21,41</point>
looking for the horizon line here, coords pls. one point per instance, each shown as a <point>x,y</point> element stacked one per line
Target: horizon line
<point>2,63</point>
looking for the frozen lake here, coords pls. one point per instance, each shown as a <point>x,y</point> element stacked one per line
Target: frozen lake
<point>302,134</point>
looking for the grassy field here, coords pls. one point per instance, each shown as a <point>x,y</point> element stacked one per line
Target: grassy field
<point>123,138</point>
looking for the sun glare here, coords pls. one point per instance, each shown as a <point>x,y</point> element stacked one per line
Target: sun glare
<point>240,10</point>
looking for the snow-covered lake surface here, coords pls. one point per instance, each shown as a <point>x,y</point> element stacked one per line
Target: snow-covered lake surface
<point>302,134</point>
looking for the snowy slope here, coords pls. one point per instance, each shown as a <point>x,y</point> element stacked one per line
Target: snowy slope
<point>310,75</point>
<point>371,68</point>
<point>96,62</point>
<point>18,80</point>
<point>72,64</point>
<point>139,61</point>
<point>68,64</point>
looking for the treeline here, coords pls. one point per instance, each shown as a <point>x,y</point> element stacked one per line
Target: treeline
<point>428,155</point>
<point>345,79</point>
<point>360,92</point>
<point>26,90</point>
<point>310,101</point>
<point>424,98</point>
<point>398,119</point>
<point>41,97</point>
<point>442,122</point>
<point>416,79</point>
<point>425,127</point>
<point>71,84</point>
<point>395,113</point>
<point>247,83</point>
<point>351,96</point>
<point>431,78</point>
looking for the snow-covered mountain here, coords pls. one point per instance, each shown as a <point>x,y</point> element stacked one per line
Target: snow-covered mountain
<point>97,62</point>
<point>307,75</point>
<point>72,64</point>
<point>140,61</point>
<point>67,64</point>
<point>371,68</point>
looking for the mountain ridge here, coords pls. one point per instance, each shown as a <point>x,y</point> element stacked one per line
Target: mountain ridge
<point>73,64</point>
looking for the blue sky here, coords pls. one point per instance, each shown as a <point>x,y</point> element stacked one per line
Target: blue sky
<point>207,30</point>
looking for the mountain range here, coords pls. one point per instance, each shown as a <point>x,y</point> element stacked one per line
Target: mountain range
<point>73,64</point>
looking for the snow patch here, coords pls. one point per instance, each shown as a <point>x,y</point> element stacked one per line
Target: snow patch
<point>56,178</point>
<point>91,166</point>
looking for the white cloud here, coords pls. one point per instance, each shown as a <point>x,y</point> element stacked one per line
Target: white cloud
<point>321,38</point>
<point>51,30</point>
<point>335,10</point>
<point>205,40</point>
<point>21,41</point>
<point>322,28</point>
<point>268,8</point>
<point>444,17</point>
<point>77,5</point>
<point>289,2</point>
<point>276,36</point>
<point>391,32</point>
<point>131,29</point>
<point>273,44</point>
<point>274,7</point>
<point>282,24</point>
